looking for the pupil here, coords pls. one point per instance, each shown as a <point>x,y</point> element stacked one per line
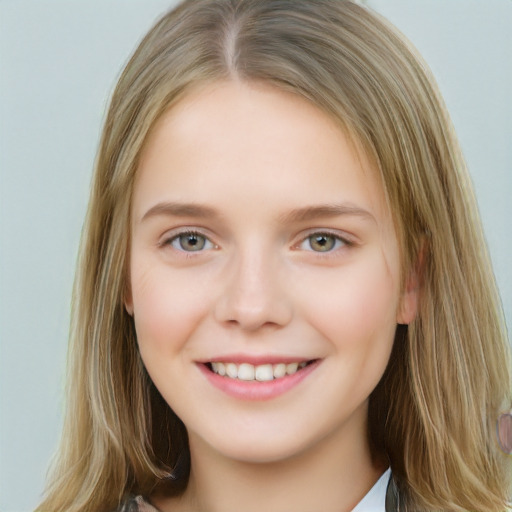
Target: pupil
<point>322,243</point>
<point>192,242</point>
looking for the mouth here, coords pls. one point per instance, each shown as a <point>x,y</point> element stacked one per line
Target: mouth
<point>259,373</point>
<point>260,379</point>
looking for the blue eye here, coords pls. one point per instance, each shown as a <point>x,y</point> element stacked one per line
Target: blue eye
<point>322,242</point>
<point>190,242</point>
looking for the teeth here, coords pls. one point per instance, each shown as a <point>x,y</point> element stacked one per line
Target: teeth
<point>262,373</point>
<point>232,370</point>
<point>291,368</point>
<point>221,369</point>
<point>246,372</point>
<point>279,370</point>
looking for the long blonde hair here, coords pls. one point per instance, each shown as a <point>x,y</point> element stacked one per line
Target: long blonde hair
<point>434,412</point>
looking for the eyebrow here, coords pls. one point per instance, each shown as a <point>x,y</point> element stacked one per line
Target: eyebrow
<point>307,213</point>
<point>180,210</point>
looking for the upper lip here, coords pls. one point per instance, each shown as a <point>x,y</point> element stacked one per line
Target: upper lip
<point>255,360</point>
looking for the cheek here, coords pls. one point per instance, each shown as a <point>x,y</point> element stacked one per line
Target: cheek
<point>354,307</point>
<point>167,308</point>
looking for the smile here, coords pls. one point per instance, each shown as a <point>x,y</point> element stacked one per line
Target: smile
<point>261,373</point>
<point>263,381</point>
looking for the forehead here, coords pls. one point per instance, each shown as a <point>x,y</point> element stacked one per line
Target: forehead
<point>255,135</point>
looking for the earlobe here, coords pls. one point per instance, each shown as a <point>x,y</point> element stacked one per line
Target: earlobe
<point>128,300</point>
<point>409,302</point>
<point>408,308</point>
<point>129,307</point>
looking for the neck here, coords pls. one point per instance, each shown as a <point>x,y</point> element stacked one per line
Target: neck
<point>332,476</point>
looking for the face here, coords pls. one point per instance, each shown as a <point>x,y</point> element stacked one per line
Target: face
<point>265,273</point>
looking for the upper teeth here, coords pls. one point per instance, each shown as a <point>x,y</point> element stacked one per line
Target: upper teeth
<point>262,372</point>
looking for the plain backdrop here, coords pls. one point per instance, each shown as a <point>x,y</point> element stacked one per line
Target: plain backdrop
<point>58,64</point>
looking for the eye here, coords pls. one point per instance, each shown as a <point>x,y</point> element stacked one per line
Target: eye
<point>190,242</point>
<point>322,242</point>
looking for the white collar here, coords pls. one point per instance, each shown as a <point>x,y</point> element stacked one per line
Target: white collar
<point>375,500</point>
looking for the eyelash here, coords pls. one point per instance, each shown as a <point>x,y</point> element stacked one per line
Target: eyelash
<point>339,242</point>
<point>169,241</point>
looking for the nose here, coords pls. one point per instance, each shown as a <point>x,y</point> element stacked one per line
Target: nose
<point>254,294</point>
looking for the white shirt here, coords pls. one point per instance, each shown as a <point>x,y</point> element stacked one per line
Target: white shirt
<point>375,500</point>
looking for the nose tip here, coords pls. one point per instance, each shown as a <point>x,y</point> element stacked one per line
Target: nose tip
<point>253,298</point>
<point>251,318</point>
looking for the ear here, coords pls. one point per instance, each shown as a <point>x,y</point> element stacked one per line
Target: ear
<point>408,307</point>
<point>128,299</point>
<point>409,301</point>
<point>128,305</point>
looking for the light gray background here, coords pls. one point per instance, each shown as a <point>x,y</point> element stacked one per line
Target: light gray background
<point>58,64</point>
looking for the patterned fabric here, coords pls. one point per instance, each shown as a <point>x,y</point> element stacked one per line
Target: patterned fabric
<point>137,504</point>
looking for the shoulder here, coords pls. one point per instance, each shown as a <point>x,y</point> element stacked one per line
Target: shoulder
<point>136,504</point>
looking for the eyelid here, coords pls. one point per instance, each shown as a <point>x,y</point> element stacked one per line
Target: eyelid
<point>344,238</point>
<point>169,236</point>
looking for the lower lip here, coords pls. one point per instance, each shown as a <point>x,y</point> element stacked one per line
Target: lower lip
<point>256,390</point>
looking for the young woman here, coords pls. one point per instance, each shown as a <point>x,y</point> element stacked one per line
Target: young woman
<point>284,299</point>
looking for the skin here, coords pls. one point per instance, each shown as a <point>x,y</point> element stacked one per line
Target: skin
<point>260,286</point>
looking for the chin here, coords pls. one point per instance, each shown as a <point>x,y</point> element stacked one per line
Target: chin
<point>259,446</point>
<point>261,454</point>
